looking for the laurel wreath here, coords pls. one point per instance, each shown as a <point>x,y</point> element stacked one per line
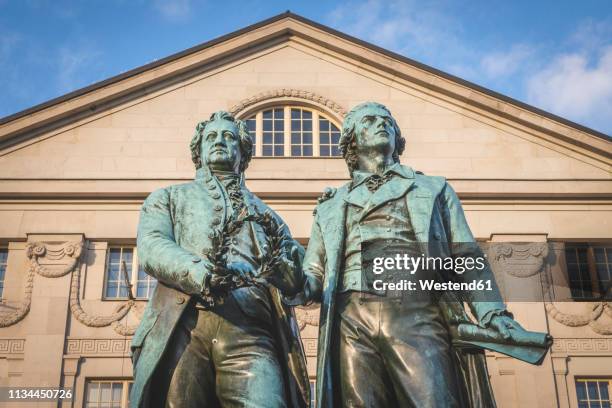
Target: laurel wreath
<point>224,280</point>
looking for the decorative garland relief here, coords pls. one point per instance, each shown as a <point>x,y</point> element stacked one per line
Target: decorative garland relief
<point>49,260</point>
<point>288,93</point>
<point>524,260</point>
<point>53,260</point>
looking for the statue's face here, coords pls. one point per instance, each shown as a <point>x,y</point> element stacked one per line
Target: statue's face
<point>220,148</point>
<point>374,131</point>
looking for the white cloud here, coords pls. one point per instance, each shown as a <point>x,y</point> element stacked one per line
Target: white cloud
<point>571,78</point>
<point>76,65</point>
<point>592,35</point>
<point>174,10</point>
<point>500,63</point>
<point>576,86</point>
<point>414,29</point>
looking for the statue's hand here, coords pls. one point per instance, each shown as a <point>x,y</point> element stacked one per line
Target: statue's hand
<point>233,275</point>
<point>220,282</point>
<point>242,270</point>
<point>288,275</point>
<point>505,326</point>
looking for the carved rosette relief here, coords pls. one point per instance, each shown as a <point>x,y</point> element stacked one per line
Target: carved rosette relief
<point>54,260</point>
<point>521,259</point>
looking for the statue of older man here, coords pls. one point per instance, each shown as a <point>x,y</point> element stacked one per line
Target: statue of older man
<point>215,333</point>
<point>420,349</point>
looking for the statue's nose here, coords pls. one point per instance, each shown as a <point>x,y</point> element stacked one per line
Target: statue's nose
<point>219,140</point>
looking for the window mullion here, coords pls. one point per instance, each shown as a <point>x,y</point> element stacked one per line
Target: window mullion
<point>287,131</point>
<point>595,290</point>
<point>124,275</point>
<point>315,135</point>
<point>106,272</point>
<point>125,394</point>
<point>134,288</point>
<point>122,272</point>
<point>259,134</point>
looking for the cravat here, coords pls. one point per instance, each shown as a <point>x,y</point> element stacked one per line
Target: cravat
<point>374,182</point>
<point>231,182</point>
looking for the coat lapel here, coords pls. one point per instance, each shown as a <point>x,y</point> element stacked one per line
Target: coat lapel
<point>358,196</point>
<point>420,201</point>
<point>332,220</point>
<point>391,190</point>
<point>332,217</point>
<point>257,232</point>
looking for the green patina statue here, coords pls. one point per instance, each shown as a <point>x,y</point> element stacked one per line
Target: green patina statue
<point>379,352</point>
<point>216,333</point>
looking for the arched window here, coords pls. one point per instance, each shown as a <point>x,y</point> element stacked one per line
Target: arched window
<point>293,131</point>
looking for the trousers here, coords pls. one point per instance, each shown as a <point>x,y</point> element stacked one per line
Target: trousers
<point>220,357</point>
<point>391,353</point>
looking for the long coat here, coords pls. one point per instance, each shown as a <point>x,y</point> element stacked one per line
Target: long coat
<point>175,231</point>
<point>438,220</point>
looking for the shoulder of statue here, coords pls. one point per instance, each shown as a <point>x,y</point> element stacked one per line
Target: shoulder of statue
<point>159,194</point>
<point>434,183</point>
<point>328,194</point>
<point>252,197</point>
<point>181,186</point>
<point>171,190</point>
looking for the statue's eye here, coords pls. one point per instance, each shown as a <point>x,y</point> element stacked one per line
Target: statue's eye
<point>228,135</point>
<point>211,136</point>
<point>367,120</point>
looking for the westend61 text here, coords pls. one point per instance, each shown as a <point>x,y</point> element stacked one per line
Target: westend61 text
<point>432,285</point>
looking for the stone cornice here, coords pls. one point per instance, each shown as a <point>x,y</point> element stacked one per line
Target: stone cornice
<point>137,189</point>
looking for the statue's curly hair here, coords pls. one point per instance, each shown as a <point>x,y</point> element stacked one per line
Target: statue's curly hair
<point>246,143</point>
<point>347,139</point>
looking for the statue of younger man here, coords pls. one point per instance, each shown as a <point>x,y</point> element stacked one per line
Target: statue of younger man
<point>215,334</point>
<point>380,352</point>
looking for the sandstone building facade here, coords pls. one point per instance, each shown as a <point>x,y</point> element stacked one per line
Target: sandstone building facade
<point>74,172</point>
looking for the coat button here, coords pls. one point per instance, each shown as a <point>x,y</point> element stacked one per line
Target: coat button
<point>195,259</point>
<point>216,196</point>
<point>216,221</point>
<point>234,252</point>
<point>212,186</point>
<point>234,241</point>
<point>437,236</point>
<point>218,207</point>
<point>211,235</point>
<point>388,217</point>
<point>180,300</point>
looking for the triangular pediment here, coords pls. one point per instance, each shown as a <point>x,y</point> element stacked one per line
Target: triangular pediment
<point>292,36</point>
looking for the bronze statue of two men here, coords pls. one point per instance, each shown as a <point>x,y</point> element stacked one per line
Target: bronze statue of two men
<point>220,330</point>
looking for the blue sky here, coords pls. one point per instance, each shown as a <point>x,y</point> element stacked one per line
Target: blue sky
<point>556,55</point>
